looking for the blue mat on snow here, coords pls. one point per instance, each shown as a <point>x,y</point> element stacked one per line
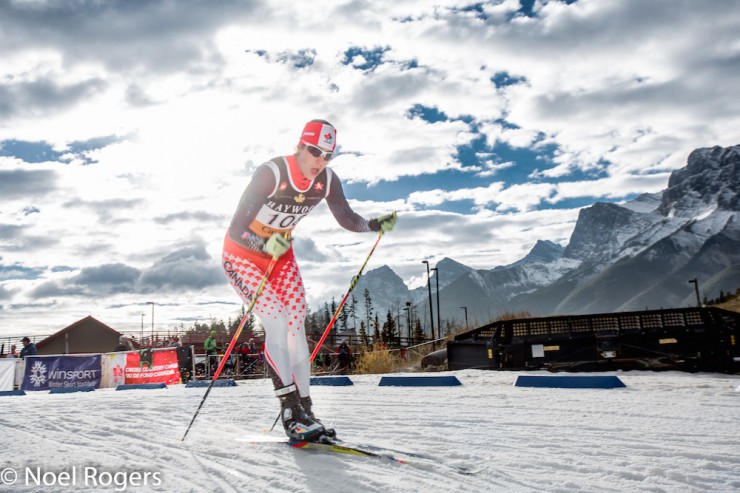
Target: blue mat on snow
<point>205,383</point>
<point>12,392</point>
<point>69,390</point>
<point>136,386</point>
<point>436,381</point>
<point>331,381</point>
<point>569,382</point>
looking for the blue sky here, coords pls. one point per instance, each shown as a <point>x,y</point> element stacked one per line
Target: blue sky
<point>128,131</point>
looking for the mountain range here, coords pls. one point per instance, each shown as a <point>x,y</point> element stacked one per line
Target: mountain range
<point>637,255</point>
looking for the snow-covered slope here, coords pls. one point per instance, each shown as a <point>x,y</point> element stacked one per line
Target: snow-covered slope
<point>664,432</point>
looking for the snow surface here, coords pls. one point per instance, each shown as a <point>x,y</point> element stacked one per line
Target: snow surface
<point>672,432</point>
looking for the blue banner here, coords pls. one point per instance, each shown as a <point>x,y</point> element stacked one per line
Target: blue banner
<point>53,372</point>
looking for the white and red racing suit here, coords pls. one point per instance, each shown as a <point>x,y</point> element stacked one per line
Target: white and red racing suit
<point>275,201</point>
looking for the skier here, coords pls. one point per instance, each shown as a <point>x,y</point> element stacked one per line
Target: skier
<point>283,191</point>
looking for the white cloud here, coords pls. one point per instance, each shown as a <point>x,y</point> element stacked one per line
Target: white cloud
<point>197,96</point>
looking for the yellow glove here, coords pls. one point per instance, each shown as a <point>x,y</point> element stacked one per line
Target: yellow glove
<point>276,245</point>
<point>386,222</point>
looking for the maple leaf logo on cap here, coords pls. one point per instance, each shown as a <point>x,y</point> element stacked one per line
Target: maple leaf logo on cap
<point>320,134</point>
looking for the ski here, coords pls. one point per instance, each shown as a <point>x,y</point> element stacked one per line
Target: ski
<point>338,448</point>
<point>395,456</point>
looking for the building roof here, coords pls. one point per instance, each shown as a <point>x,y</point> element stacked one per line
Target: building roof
<point>70,328</point>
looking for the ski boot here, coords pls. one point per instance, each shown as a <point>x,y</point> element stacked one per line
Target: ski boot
<point>298,425</point>
<point>329,433</point>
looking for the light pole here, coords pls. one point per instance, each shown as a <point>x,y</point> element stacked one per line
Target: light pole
<point>431,308</point>
<point>151,343</point>
<point>439,319</point>
<point>407,309</point>
<point>695,282</point>
<point>141,337</point>
<point>466,315</point>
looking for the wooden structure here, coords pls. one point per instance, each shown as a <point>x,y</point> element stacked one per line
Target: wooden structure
<point>87,335</point>
<point>689,339</point>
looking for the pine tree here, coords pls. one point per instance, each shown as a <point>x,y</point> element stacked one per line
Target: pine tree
<point>249,325</point>
<point>363,334</point>
<point>353,311</point>
<point>368,307</point>
<point>333,308</point>
<point>448,328</point>
<point>343,317</point>
<point>313,324</point>
<point>419,336</point>
<point>377,337</point>
<point>389,333</point>
<point>218,326</point>
<point>326,316</point>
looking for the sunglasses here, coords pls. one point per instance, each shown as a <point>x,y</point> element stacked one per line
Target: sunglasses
<point>316,152</point>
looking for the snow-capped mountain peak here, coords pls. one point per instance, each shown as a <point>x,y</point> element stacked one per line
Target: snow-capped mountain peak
<point>620,257</point>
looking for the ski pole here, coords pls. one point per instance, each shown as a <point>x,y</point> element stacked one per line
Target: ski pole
<point>344,300</point>
<point>238,332</point>
<point>339,309</point>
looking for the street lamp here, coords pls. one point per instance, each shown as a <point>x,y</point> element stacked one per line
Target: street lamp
<point>695,282</point>
<point>151,343</point>
<point>407,309</point>
<point>439,319</point>
<point>466,315</point>
<point>142,328</point>
<point>431,308</point>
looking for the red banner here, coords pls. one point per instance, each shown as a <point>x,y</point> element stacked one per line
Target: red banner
<point>153,367</point>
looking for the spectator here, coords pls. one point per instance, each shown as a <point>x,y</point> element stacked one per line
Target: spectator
<point>29,348</point>
<point>122,345</point>
<point>13,352</point>
<point>344,356</point>
<point>211,351</point>
<point>175,342</point>
<point>210,344</point>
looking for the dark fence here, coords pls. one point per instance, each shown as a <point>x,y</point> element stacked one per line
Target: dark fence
<point>689,339</point>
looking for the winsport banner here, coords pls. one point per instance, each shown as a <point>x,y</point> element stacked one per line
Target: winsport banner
<point>152,366</point>
<point>51,372</point>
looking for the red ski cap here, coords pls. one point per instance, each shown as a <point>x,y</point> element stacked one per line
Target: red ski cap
<point>320,134</point>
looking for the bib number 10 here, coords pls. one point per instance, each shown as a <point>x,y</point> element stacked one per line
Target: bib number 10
<point>283,221</point>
